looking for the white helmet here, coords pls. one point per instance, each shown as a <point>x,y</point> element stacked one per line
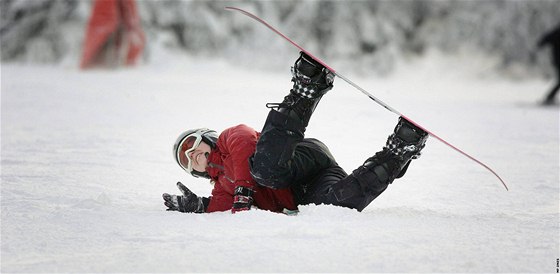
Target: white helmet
<point>189,141</point>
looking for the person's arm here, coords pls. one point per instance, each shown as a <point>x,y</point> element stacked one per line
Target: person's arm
<point>552,37</point>
<point>220,200</point>
<point>240,143</point>
<point>544,40</point>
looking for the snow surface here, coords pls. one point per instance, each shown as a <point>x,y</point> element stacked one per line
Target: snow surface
<point>87,155</point>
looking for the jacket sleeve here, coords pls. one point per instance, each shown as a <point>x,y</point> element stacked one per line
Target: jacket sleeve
<point>220,200</point>
<point>239,143</point>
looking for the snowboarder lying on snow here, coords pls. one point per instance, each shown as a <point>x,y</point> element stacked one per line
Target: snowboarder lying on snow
<point>278,169</point>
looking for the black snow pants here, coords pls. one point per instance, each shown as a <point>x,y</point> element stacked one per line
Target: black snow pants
<point>284,158</point>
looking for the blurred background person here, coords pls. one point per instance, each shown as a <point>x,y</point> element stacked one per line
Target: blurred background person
<point>552,38</point>
<point>114,35</point>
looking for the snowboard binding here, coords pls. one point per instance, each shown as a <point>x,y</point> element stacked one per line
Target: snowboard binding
<point>403,145</point>
<point>407,140</point>
<point>311,79</point>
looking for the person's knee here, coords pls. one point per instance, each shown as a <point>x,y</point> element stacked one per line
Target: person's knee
<point>271,176</point>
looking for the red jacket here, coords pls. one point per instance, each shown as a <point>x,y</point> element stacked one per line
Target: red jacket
<point>228,166</point>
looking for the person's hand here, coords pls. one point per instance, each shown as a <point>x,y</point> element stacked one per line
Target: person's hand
<point>242,199</point>
<point>188,202</point>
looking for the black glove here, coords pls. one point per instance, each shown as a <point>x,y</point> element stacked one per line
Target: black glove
<point>188,202</point>
<point>242,199</point>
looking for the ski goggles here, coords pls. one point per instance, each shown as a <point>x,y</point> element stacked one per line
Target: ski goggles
<point>186,146</point>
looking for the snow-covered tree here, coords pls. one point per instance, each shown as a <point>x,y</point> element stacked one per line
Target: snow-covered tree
<point>369,34</point>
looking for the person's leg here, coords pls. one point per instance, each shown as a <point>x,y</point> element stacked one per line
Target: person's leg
<point>272,165</point>
<point>311,158</point>
<point>552,94</point>
<point>368,181</point>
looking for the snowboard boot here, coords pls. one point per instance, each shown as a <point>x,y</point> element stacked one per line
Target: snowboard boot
<point>406,143</point>
<point>391,163</point>
<point>311,81</point>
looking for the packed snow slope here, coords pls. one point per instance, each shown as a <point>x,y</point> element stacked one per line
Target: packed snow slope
<point>87,155</point>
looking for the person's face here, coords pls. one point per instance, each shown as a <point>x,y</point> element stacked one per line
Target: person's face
<point>198,157</point>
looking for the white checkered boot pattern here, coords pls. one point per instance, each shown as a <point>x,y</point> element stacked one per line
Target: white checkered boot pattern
<point>395,145</point>
<point>304,87</point>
